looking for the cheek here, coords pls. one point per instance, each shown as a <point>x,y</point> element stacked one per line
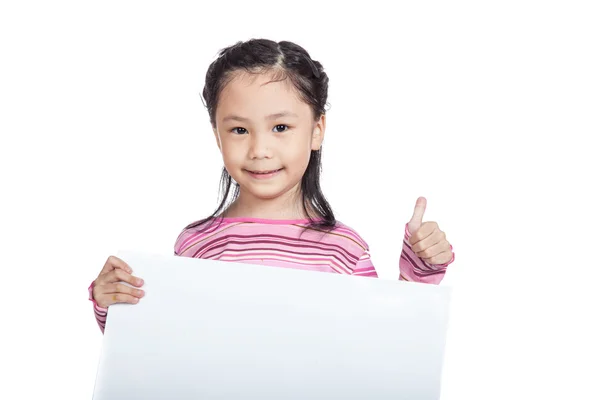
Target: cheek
<point>232,162</point>
<point>232,155</point>
<point>298,159</point>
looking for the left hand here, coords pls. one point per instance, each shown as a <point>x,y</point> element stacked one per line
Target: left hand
<point>427,240</point>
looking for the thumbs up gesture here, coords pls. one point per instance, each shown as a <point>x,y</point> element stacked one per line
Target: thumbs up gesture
<point>426,239</point>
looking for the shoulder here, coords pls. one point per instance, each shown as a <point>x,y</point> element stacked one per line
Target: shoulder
<point>345,236</point>
<point>196,232</point>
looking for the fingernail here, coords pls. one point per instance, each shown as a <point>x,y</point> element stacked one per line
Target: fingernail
<point>135,300</point>
<point>140,281</point>
<point>142,293</point>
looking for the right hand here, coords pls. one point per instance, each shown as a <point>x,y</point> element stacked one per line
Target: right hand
<point>107,287</point>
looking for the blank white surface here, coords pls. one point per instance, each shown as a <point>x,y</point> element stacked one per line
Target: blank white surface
<point>220,330</point>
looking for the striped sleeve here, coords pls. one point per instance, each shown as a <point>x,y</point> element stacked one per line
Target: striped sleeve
<point>364,266</point>
<point>100,313</point>
<point>413,269</point>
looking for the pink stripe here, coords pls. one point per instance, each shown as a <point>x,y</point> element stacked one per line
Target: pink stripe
<point>305,262</point>
<point>201,235</point>
<point>249,243</point>
<point>277,263</point>
<point>269,221</point>
<point>200,232</point>
<point>278,255</point>
<point>364,270</point>
<point>410,266</point>
<point>277,260</point>
<point>277,242</point>
<point>354,234</point>
<point>372,273</point>
<point>332,257</point>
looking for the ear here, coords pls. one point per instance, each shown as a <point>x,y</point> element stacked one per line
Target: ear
<point>218,138</point>
<point>318,133</point>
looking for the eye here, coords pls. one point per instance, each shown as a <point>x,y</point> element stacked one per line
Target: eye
<point>239,131</point>
<point>280,128</point>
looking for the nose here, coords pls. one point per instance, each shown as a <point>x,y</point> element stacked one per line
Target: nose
<point>260,146</point>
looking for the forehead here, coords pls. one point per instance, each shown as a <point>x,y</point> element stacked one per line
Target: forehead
<point>260,94</point>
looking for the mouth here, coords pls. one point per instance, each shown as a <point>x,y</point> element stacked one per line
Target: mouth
<point>263,174</point>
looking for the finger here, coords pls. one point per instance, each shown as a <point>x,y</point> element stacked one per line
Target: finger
<point>113,263</point>
<point>113,288</point>
<point>107,300</point>
<point>434,250</point>
<point>439,259</point>
<point>417,219</point>
<point>118,275</point>
<point>426,229</point>
<point>434,237</point>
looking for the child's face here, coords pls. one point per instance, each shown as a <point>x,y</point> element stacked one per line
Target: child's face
<point>264,126</point>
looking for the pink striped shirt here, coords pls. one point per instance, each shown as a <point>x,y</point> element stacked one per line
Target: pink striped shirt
<point>287,244</point>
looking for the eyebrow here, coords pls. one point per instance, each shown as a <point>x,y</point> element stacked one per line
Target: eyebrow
<point>272,116</point>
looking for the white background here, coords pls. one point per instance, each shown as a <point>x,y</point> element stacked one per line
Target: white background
<point>490,111</point>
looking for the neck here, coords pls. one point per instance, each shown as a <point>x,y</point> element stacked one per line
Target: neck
<point>288,206</point>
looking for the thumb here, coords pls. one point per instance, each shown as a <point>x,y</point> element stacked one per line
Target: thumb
<point>417,219</point>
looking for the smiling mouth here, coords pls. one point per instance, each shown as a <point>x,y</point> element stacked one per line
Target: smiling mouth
<point>265,172</point>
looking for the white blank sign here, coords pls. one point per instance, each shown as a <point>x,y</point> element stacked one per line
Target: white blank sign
<point>221,330</point>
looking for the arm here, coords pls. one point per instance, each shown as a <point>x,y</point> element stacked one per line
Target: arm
<point>364,266</point>
<point>413,269</point>
<point>99,312</point>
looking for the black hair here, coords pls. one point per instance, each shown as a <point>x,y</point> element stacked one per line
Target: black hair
<point>286,60</point>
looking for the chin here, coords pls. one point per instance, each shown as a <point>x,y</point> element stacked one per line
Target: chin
<point>268,191</point>
<point>265,193</point>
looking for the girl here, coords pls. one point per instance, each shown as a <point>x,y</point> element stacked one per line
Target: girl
<point>266,102</point>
